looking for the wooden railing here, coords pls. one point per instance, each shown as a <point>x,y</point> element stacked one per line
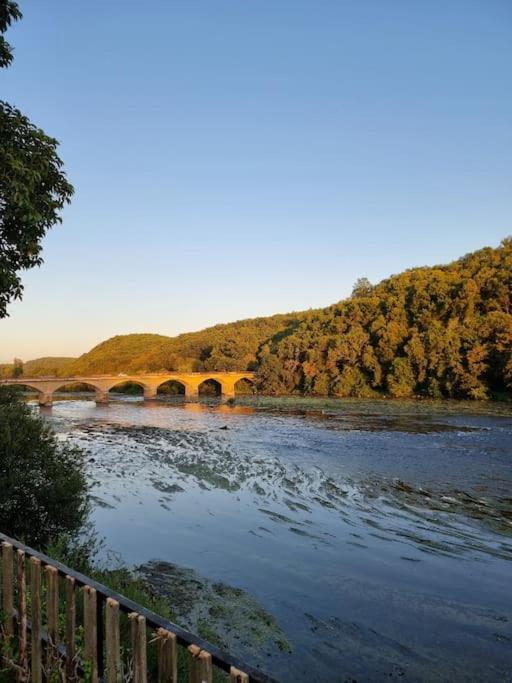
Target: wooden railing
<point>50,634</point>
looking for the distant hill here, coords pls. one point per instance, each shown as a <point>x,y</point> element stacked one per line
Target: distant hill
<point>231,346</point>
<point>442,331</point>
<point>124,353</point>
<point>39,367</point>
<point>50,365</point>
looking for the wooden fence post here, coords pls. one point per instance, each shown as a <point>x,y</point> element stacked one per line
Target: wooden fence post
<point>70,634</point>
<point>22,617</point>
<point>200,665</point>
<point>237,676</point>
<point>52,618</point>
<point>35,613</point>
<point>139,648</point>
<point>91,632</point>
<point>167,657</point>
<point>113,647</point>
<point>7,584</point>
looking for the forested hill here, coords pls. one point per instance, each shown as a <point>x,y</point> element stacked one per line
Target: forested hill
<point>233,346</point>
<point>50,365</point>
<point>440,331</point>
<point>39,367</point>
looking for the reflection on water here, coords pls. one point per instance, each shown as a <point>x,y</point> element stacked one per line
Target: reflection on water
<point>377,534</point>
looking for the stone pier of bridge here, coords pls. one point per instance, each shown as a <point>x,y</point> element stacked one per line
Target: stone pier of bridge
<point>150,383</point>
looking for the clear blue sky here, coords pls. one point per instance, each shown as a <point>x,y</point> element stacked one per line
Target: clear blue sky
<point>237,158</point>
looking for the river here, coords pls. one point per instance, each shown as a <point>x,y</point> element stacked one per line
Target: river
<point>323,540</point>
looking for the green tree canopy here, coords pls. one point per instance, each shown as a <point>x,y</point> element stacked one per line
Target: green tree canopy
<point>43,489</point>
<point>9,12</point>
<point>444,331</point>
<point>362,287</point>
<point>33,187</point>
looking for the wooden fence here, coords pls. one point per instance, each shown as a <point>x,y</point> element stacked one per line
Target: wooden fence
<point>52,633</point>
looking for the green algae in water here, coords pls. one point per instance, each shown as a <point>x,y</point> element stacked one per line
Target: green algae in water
<point>226,616</point>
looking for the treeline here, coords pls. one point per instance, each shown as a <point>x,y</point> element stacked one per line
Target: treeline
<point>233,346</point>
<point>440,332</point>
<point>444,331</point>
<point>39,367</point>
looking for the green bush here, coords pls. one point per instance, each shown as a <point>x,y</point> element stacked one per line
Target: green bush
<point>43,489</point>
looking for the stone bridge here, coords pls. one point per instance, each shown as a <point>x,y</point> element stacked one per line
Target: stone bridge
<point>102,384</point>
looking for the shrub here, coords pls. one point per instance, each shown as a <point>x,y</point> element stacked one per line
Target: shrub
<point>43,489</point>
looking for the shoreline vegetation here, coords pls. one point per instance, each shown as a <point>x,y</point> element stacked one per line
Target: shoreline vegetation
<point>434,332</point>
<point>259,399</point>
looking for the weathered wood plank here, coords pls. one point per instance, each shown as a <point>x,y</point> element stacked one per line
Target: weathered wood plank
<point>113,645</point>
<point>91,633</point>
<point>167,657</point>
<point>70,634</point>
<point>100,635</point>
<point>199,665</point>
<point>138,627</point>
<point>52,619</point>
<point>7,590</point>
<point>21,674</point>
<point>35,614</point>
<point>237,676</point>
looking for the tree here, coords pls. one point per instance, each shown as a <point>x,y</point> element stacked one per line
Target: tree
<point>33,187</point>
<point>17,367</point>
<point>43,488</point>
<point>9,12</point>
<point>401,380</point>
<point>362,287</point>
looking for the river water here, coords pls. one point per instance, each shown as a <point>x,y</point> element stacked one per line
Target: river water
<point>357,540</point>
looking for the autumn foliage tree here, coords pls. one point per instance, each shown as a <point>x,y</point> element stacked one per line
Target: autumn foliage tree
<point>439,332</point>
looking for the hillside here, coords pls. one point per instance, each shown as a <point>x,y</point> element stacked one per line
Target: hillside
<point>124,353</point>
<point>50,365</point>
<point>231,346</point>
<point>39,367</point>
<point>442,331</point>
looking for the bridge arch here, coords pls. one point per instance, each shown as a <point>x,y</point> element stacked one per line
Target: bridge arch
<point>129,384</point>
<point>173,387</point>
<point>210,386</point>
<point>97,392</point>
<point>244,385</point>
<point>77,386</point>
<point>23,386</point>
<point>249,376</point>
